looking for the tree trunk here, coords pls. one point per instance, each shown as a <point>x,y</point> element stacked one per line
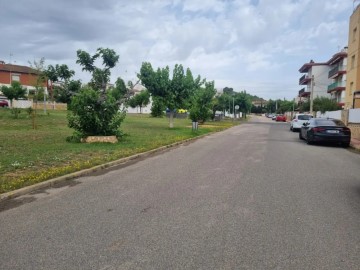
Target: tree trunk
<point>171,119</point>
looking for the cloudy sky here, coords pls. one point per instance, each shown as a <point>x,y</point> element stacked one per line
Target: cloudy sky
<point>252,45</point>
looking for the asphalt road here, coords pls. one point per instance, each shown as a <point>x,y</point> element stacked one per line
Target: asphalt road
<point>252,197</point>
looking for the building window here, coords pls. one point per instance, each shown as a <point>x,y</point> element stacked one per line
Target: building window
<point>15,77</point>
<point>352,61</point>
<point>354,34</point>
<point>351,88</point>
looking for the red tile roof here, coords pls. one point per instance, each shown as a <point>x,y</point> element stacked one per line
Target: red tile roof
<point>17,69</point>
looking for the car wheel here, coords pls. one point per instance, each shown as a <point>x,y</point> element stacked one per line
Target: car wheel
<point>291,129</point>
<point>308,140</point>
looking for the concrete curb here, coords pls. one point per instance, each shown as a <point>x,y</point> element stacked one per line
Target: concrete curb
<point>49,183</point>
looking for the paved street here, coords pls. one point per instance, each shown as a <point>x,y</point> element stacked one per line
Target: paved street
<point>252,197</point>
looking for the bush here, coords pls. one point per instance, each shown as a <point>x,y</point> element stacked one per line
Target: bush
<point>95,114</point>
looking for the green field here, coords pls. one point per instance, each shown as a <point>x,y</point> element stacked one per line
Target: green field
<point>29,156</point>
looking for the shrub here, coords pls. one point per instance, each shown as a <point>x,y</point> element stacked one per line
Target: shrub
<point>95,114</point>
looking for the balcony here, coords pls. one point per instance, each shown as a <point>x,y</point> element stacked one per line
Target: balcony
<point>303,93</point>
<point>336,86</point>
<point>304,79</point>
<point>336,71</point>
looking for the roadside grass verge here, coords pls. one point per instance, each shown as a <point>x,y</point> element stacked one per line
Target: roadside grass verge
<point>29,156</point>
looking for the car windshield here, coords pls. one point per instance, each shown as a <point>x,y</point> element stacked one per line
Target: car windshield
<point>329,122</point>
<point>304,117</point>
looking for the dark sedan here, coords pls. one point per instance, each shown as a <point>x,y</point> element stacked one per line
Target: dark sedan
<point>325,130</point>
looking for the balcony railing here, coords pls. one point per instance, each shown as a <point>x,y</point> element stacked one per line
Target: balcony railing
<point>304,79</point>
<point>336,70</point>
<point>336,85</point>
<point>304,92</point>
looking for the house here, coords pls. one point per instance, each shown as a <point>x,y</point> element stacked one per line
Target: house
<point>352,92</point>
<point>337,73</point>
<point>315,81</point>
<point>25,75</point>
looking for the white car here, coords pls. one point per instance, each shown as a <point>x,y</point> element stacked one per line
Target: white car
<point>299,120</point>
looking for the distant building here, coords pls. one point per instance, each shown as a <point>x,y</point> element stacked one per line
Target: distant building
<point>25,75</point>
<point>259,103</point>
<point>352,92</point>
<point>337,74</point>
<point>316,78</point>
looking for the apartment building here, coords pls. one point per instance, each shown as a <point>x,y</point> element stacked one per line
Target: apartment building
<point>352,92</point>
<point>337,73</point>
<point>315,79</point>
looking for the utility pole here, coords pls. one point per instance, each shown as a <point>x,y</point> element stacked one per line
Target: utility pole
<point>312,83</point>
<point>234,107</point>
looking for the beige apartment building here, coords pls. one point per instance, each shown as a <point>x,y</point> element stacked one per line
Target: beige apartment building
<point>352,92</point>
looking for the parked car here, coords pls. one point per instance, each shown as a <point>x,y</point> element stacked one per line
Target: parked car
<point>4,103</point>
<point>281,118</point>
<point>299,120</point>
<point>325,130</point>
<point>273,117</point>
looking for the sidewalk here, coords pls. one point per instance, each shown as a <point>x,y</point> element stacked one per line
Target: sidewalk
<point>355,143</point>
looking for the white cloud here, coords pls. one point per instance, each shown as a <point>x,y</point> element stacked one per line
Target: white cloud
<point>243,43</point>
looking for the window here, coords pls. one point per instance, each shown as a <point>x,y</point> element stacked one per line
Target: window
<point>351,88</point>
<point>354,34</point>
<point>15,77</point>
<point>352,61</point>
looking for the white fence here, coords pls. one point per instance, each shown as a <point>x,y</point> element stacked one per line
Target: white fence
<point>333,114</point>
<point>354,116</point>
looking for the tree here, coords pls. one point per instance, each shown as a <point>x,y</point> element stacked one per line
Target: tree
<point>91,115</point>
<point>61,72</point>
<point>157,107</point>
<point>140,100</point>
<point>15,91</point>
<point>321,104</point>
<point>286,106</point>
<point>228,90</point>
<point>201,108</point>
<point>100,76</point>
<point>243,100</point>
<point>174,92</point>
<point>95,111</point>
<point>120,90</point>
<point>65,92</point>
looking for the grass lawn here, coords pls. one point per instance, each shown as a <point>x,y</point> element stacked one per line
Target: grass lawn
<point>29,156</point>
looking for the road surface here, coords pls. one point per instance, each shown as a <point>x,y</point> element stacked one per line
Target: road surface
<point>251,197</point>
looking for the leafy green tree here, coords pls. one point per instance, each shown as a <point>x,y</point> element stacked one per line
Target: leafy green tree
<point>244,101</point>
<point>140,100</point>
<point>91,115</point>
<point>321,104</point>
<point>174,92</point>
<point>15,91</point>
<point>100,76</point>
<point>229,91</point>
<point>273,106</point>
<point>286,106</point>
<point>94,111</point>
<point>65,92</point>
<point>158,107</point>
<point>120,90</point>
<point>201,108</point>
